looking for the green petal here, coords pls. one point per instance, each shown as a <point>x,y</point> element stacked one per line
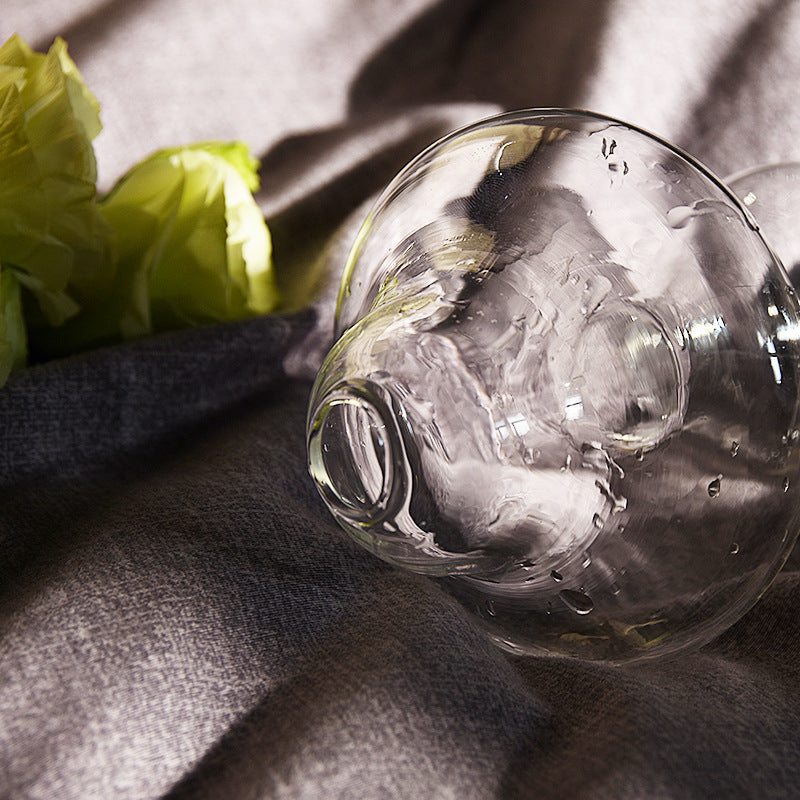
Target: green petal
<point>13,342</point>
<point>237,154</point>
<point>84,104</point>
<point>51,229</point>
<point>191,238</point>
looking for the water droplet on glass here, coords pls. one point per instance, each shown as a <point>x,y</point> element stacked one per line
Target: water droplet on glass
<point>529,456</point>
<point>734,548</point>
<point>579,602</point>
<point>734,449</point>
<point>587,561</point>
<point>639,454</point>
<point>785,485</point>
<point>556,576</point>
<point>598,521</point>
<point>490,608</point>
<point>679,216</point>
<point>618,502</point>
<point>714,487</point>
<point>615,589</point>
<point>595,291</point>
<point>527,563</point>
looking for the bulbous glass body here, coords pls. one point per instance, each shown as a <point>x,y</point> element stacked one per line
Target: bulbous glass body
<point>771,192</point>
<point>566,387</point>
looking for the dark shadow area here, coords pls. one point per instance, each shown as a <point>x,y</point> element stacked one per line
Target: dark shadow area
<point>511,53</point>
<point>507,54</point>
<point>66,453</point>
<point>750,48</point>
<point>41,515</point>
<point>389,678</point>
<point>92,27</point>
<point>322,178</point>
<point>767,638</point>
<point>78,414</point>
<point>591,716</point>
<point>694,726</point>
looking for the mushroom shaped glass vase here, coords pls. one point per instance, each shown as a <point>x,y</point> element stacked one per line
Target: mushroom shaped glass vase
<point>565,387</point>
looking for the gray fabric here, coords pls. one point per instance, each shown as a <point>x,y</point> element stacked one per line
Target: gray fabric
<point>179,616</point>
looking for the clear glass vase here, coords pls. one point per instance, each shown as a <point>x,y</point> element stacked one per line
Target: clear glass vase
<point>565,386</point>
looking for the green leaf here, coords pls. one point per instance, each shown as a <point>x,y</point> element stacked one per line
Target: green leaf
<point>13,342</point>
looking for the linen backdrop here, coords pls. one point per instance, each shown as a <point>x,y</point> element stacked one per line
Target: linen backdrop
<point>179,616</point>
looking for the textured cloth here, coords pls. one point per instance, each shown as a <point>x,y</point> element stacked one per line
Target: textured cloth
<point>179,615</point>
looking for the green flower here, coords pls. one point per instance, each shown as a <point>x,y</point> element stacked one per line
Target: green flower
<point>178,241</point>
<point>52,235</point>
<point>192,243</point>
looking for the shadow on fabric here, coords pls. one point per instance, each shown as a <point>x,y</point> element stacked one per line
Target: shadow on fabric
<point>91,27</point>
<point>746,53</point>
<point>403,674</point>
<point>456,63</point>
<point>511,53</point>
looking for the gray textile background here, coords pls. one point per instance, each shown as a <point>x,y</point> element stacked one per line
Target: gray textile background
<point>179,617</point>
